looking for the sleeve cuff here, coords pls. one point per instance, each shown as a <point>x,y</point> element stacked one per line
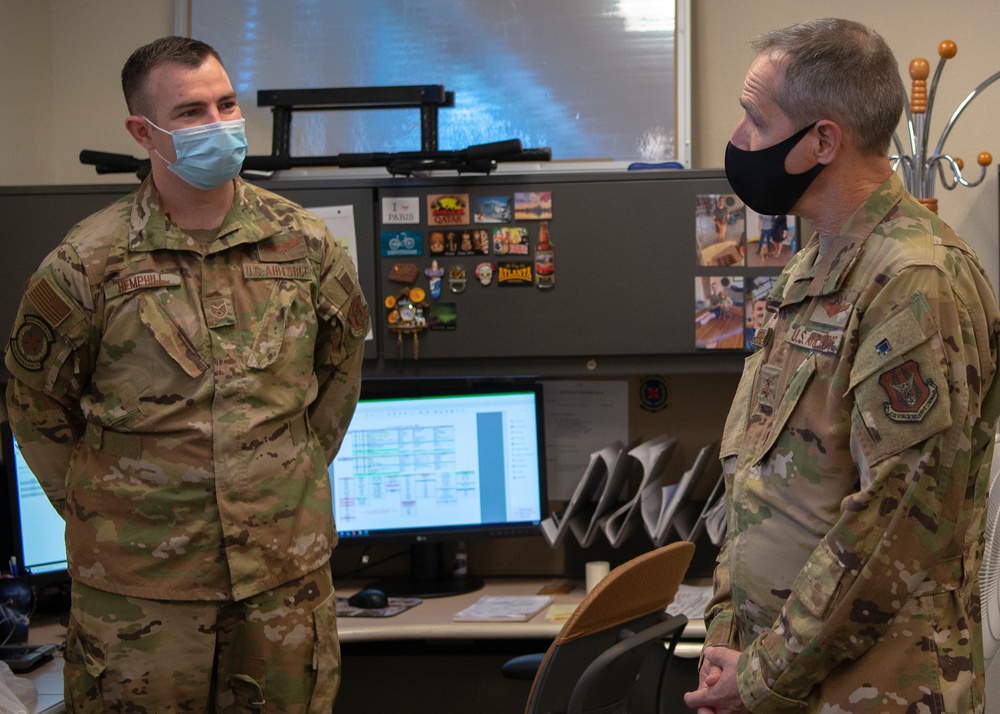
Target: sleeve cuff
<point>755,693</point>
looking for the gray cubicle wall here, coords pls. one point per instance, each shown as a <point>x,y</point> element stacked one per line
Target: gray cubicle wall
<point>625,256</point>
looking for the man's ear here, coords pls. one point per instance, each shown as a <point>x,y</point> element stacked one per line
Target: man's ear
<point>140,130</point>
<point>829,142</point>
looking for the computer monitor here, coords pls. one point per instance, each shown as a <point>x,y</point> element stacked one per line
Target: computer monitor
<point>33,534</point>
<point>437,465</point>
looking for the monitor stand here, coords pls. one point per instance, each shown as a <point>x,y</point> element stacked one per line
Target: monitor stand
<point>427,578</point>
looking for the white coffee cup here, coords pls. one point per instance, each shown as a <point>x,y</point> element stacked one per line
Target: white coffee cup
<point>596,570</point>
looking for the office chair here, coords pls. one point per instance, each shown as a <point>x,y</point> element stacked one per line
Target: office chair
<point>598,662</point>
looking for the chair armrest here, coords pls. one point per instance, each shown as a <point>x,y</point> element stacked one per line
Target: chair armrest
<point>523,667</point>
<point>668,631</point>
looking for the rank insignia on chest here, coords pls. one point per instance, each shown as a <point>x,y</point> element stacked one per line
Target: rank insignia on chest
<point>910,395</point>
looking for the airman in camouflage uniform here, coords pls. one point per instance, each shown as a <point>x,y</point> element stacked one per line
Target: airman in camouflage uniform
<point>856,457</point>
<point>179,393</point>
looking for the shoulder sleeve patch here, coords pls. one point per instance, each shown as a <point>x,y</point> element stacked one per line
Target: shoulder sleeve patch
<point>49,303</point>
<point>900,385</point>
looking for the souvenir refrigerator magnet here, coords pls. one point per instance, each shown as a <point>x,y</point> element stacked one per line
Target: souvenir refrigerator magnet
<point>492,209</point>
<point>442,316</point>
<point>484,273</point>
<point>403,273</point>
<point>434,274</point>
<point>514,274</point>
<point>436,242</point>
<point>456,278</point>
<point>448,209</point>
<point>400,209</point>
<point>532,206</point>
<point>396,244</point>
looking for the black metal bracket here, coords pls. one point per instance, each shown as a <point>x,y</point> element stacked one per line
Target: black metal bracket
<point>284,102</point>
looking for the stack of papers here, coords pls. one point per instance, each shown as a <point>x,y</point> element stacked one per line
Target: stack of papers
<point>503,608</point>
<point>691,601</point>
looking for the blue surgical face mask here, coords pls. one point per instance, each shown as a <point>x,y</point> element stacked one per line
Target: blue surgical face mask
<point>208,155</point>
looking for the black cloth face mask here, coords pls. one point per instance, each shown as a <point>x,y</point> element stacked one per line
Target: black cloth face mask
<point>760,180</point>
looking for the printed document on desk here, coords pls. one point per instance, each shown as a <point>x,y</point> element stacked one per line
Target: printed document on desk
<point>503,608</point>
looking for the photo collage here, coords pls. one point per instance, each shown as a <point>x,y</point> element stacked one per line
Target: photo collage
<point>730,239</point>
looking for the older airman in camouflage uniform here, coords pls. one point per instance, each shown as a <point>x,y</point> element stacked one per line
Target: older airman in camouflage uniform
<point>857,450</point>
<point>179,392</point>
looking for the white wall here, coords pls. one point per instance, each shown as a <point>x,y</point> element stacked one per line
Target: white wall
<point>61,62</point>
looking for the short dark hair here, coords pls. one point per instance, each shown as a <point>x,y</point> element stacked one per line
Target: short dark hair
<point>180,50</point>
<point>840,70</point>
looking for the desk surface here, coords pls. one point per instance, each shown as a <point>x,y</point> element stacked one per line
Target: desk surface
<point>432,619</point>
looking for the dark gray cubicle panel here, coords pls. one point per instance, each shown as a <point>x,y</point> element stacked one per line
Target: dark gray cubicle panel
<point>33,219</point>
<point>625,259</point>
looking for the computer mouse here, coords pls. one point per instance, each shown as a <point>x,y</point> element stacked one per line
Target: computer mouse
<point>368,599</point>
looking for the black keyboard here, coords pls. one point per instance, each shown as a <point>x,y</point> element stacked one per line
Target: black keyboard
<point>24,658</point>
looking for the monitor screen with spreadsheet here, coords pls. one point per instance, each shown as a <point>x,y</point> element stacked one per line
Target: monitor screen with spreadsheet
<point>427,467</point>
<point>34,535</point>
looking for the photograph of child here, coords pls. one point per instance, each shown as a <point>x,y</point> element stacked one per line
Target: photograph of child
<point>720,229</point>
<point>719,308</point>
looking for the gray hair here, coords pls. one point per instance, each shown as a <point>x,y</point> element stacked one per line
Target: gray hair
<point>839,70</point>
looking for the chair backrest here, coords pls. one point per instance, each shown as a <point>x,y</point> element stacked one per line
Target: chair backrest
<point>631,598</point>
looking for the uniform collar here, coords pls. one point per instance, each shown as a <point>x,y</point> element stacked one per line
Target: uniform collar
<point>150,229</point>
<point>821,267</point>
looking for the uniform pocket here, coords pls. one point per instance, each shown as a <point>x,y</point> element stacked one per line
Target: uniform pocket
<point>170,336</point>
<point>783,409</point>
<point>739,411</point>
<point>269,332</point>
<point>85,663</point>
<point>326,656</point>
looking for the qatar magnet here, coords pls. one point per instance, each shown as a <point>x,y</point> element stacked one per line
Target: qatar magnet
<point>448,209</point>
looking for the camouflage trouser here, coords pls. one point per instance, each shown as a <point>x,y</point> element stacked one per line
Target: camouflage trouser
<point>274,652</point>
